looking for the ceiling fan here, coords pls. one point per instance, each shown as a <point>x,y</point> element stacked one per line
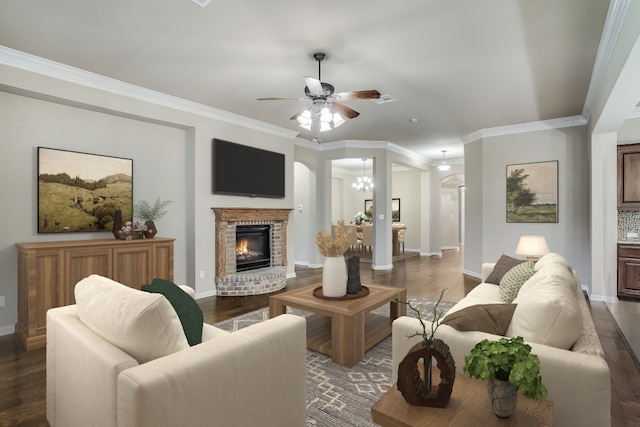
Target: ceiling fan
<point>325,101</point>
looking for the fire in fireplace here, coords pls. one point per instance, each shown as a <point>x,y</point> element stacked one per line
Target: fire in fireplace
<point>253,247</point>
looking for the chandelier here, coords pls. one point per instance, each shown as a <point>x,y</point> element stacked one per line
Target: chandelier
<point>320,117</point>
<point>363,183</point>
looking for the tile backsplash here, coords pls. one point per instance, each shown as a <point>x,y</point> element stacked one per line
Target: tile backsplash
<point>628,222</point>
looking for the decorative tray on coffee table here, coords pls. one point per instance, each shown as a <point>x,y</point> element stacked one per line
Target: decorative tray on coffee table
<point>364,291</point>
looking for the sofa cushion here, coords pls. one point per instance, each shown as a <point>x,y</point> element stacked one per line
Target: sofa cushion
<point>551,258</point>
<point>504,264</point>
<point>489,318</point>
<point>143,324</point>
<point>547,312</point>
<point>513,280</point>
<point>554,273</point>
<point>186,307</point>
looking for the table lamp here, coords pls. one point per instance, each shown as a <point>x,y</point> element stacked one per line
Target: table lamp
<point>532,247</point>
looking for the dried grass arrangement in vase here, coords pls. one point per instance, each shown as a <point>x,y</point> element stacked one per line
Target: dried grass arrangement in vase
<point>334,271</point>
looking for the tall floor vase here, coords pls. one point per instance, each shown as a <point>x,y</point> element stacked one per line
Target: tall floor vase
<point>334,277</point>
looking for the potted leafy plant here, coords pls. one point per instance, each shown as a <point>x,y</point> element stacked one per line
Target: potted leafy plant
<point>508,364</point>
<point>149,213</point>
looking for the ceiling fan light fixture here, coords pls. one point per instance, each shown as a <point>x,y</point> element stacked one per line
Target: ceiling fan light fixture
<point>337,120</point>
<point>304,119</point>
<point>324,126</point>
<point>325,115</point>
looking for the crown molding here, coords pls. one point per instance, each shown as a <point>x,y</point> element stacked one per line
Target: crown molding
<point>616,18</point>
<point>56,70</point>
<point>560,123</point>
<point>367,145</point>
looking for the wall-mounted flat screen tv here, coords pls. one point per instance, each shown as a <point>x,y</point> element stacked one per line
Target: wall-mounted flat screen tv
<point>241,170</point>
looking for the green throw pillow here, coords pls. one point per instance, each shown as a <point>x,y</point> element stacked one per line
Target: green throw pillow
<point>513,280</point>
<point>186,307</point>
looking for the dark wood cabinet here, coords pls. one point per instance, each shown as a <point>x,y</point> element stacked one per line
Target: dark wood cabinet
<point>49,271</point>
<point>629,271</point>
<point>629,177</point>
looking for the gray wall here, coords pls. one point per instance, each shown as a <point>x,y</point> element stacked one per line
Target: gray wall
<point>171,152</point>
<point>488,233</point>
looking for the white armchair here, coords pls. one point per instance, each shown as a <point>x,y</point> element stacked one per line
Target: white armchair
<point>255,376</point>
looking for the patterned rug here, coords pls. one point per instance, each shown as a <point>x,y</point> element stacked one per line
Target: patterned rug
<point>339,396</point>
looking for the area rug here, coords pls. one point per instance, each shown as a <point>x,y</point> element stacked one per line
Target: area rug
<point>338,396</point>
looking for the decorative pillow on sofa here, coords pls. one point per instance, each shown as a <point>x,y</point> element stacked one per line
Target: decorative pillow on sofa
<point>489,318</point>
<point>513,280</point>
<point>547,313</point>
<point>185,306</point>
<point>504,264</point>
<point>140,323</point>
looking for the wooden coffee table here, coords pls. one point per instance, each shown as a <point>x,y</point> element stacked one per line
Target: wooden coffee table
<point>343,329</point>
<point>469,406</point>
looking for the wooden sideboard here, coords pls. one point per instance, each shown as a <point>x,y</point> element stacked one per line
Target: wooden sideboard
<point>49,271</point>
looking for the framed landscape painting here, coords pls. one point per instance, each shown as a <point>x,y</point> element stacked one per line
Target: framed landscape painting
<point>395,209</point>
<point>79,192</point>
<point>532,192</point>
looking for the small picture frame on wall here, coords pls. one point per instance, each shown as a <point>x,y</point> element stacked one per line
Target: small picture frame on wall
<point>80,192</point>
<point>395,209</point>
<point>532,192</point>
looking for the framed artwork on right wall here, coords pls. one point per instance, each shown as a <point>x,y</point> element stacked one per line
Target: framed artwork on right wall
<point>532,192</point>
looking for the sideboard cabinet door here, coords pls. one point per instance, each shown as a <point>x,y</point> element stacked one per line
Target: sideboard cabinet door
<point>49,271</point>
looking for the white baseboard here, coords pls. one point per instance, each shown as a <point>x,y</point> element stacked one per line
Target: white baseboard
<point>472,274</point>
<point>291,275</point>
<point>206,294</point>
<point>438,254</point>
<point>603,298</point>
<point>382,267</point>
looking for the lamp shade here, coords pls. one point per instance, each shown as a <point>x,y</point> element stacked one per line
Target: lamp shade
<point>532,246</point>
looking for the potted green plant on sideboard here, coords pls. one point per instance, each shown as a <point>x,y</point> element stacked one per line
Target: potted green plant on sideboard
<point>149,213</point>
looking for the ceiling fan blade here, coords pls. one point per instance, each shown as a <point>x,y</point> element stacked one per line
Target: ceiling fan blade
<point>358,94</point>
<point>345,111</point>
<point>282,99</point>
<point>315,86</point>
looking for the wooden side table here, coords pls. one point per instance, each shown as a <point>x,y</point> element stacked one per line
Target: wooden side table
<point>469,406</point>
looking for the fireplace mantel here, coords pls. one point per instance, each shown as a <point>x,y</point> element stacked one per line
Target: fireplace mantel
<point>268,279</point>
<point>251,214</point>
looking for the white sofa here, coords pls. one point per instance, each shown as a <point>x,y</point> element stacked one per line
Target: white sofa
<point>255,376</point>
<point>553,316</point>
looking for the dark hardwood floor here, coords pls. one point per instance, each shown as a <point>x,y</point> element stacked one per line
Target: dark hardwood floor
<point>22,374</point>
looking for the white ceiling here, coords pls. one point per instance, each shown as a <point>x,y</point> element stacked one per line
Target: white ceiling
<point>458,65</point>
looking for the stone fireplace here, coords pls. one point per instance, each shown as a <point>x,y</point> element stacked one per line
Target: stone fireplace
<point>251,250</point>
